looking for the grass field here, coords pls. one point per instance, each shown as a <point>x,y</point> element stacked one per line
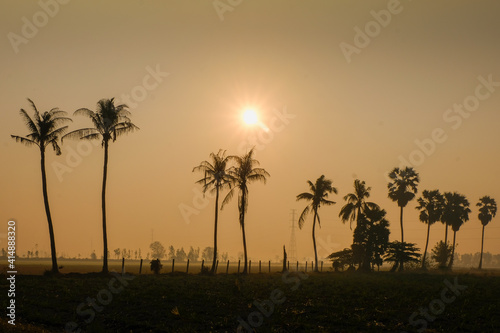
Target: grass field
<point>295,302</point>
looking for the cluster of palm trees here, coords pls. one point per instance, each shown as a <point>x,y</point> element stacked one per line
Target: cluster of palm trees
<point>109,122</point>
<point>218,174</point>
<point>452,209</point>
<point>235,173</point>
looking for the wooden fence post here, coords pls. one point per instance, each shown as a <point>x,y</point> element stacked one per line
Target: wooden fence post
<point>123,265</point>
<point>297,265</point>
<point>306,266</point>
<point>202,264</point>
<point>227,268</point>
<point>173,264</point>
<point>239,261</point>
<point>140,267</point>
<point>269,266</point>
<point>187,267</point>
<point>260,267</point>
<point>249,266</point>
<point>321,265</point>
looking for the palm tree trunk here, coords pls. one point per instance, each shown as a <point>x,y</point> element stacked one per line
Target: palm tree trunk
<point>212,270</point>
<point>453,250</point>
<point>242,224</point>
<point>53,253</point>
<point>481,257</point>
<point>426,244</point>
<point>314,242</point>
<point>104,233</point>
<point>401,222</point>
<point>446,234</point>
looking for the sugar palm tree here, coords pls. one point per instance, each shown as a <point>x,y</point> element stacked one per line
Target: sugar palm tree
<point>242,174</point>
<point>110,121</point>
<point>216,177</point>
<point>44,130</point>
<point>430,205</point>
<point>317,196</point>
<point>487,211</point>
<point>402,189</point>
<point>356,204</point>
<point>455,213</point>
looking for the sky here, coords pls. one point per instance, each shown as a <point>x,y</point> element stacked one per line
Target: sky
<point>341,88</point>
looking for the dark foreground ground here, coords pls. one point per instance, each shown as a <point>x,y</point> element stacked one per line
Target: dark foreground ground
<point>326,302</point>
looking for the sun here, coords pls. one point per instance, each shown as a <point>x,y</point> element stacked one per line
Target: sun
<point>250,117</point>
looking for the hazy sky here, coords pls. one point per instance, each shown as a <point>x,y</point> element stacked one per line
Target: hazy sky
<point>352,105</point>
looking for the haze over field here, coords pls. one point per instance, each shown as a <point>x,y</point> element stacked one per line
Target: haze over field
<point>328,99</point>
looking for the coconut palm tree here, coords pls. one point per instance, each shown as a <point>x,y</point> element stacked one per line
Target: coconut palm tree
<point>242,174</point>
<point>455,213</point>
<point>487,211</point>
<point>430,205</point>
<point>356,204</point>
<point>110,121</point>
<point>44,130</point>
<point>216,177</point>
<point>317,196</point>
<point>402,189</point>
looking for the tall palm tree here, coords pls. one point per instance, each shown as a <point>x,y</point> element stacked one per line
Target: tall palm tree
<point>216,177</point>
<point>487,211</point>
<point>318,196</point>
<point>431,209</point>
<point>110,121</point>
<point>402,189</point>
<point>356,204</point>
<point>45,130</point>
<point>242,174</point>
<point>455,213</point>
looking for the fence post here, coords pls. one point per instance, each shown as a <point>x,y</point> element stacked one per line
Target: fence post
<point>227,267</point>
<point>140,267</point>
<point>306,266</point>
<point>202,264</point>
<point>239,261</point>
<point>249,266</point>
<point>260,267</point>
<point>321,265</point>
<point>288,266</point>
<point>269,266</point>
<point>187,267</point>
<point>312,266</point>
<point>173,264</point>
<point>123,265</point>
<point>297,265</point>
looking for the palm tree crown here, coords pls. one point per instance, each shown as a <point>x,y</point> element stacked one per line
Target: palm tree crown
<point>356,203</point>
<point>44,129</point>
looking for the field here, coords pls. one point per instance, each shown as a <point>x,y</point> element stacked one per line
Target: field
<point>276,302</point>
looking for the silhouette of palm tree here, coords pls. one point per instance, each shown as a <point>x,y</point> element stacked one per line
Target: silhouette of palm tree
<point>431,209</point>
<point>243,174</point>
<point>318,196</point>
<point>110,121</point>
<point>45,130</point>
<point>487,211</point>
<point>402,189</point>
<point>216,178</point>
<point>455,213</point>
<point>356,204</point>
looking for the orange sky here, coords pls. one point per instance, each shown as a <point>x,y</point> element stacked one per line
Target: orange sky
<point>346,114</point>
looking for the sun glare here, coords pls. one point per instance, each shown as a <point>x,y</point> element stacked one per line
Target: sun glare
<point>250,117</point>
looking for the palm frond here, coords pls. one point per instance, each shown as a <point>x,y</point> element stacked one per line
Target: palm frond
<point>79,133</point>
<point>26,141</point>
<point>29,122</point>
<point>303,216</point>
